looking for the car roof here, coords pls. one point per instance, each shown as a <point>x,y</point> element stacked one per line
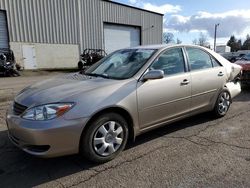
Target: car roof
<point>162,46</point>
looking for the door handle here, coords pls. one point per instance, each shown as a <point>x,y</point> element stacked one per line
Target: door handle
<point>220,74</point>
<point>185,82</point>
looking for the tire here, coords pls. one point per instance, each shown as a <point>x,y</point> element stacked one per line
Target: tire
<point>222,104</point>
<point>80,65</point>
<point>15,73</point>
<point>105,138</point>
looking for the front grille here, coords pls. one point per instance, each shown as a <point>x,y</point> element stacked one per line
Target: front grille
<point>18,109</point>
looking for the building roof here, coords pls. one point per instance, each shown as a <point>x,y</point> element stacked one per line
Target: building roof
<point>114,2</point>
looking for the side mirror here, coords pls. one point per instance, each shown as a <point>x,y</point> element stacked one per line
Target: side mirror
<point>153,74</point>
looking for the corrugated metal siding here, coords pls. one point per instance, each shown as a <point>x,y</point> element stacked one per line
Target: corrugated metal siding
<point>152,29</point>
<point>42,21</point>
<point>115,13</point>
<point>90,24</point>
<point>74,21</point>
<point>4,43</point>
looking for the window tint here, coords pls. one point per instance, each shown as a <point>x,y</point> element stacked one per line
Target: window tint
<point>171,62</point>
<point>198,59</point>
<point>215,62</point>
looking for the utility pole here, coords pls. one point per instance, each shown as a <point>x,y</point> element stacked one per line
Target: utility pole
<point>215,33</point>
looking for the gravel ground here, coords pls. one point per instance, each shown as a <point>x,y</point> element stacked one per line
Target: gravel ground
<point>196,152</point>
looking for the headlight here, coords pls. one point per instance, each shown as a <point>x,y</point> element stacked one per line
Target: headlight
<point>47,112</point>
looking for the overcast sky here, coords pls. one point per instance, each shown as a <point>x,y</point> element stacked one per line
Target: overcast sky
<point>187,18</point>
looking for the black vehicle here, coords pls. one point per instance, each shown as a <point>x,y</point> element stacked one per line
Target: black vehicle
<point>89,57</point>
<point>7,63</point>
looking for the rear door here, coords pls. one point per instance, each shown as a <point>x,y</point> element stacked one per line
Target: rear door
<point>207,77</point>
<point>167,98</point>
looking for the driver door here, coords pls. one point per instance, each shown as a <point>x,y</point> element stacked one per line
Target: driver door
<point>164,99</point>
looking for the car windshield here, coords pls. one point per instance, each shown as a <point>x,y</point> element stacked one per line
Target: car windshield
<point>246,58</point>
<point>121,64</point>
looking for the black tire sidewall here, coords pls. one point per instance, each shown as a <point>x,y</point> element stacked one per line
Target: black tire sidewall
<point>86,147</point>
<point>80,65</point>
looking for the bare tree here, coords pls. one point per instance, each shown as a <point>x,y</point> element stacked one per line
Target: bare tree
<point>168,38</point>
<point>178,41</point>
<point>203,40</point>
<point>195,42</point>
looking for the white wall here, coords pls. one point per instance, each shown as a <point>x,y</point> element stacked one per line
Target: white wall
<point>223,49</point>
<point>49,56</point>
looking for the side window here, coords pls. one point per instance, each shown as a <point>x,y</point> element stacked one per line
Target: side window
<point>171,62</point>
<point>198,59</point>
<point>215,62</point>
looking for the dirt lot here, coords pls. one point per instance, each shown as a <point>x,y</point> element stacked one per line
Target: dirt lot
<point>196,152</point>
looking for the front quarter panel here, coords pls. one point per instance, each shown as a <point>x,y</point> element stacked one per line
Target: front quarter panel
<point>122,94</point>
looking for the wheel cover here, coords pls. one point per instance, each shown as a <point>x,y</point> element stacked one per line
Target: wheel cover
<point>224,103</point>
<point>108,138</point>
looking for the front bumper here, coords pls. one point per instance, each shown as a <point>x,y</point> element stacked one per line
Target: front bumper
<point>51,138</point>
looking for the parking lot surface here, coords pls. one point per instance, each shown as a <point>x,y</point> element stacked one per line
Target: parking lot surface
<point>197,152</point>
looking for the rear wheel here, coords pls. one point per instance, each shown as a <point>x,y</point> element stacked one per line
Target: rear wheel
<point>222,104</point>
<point>105,138</point>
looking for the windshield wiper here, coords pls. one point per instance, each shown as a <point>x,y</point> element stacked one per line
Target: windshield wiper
<point>97,75</point>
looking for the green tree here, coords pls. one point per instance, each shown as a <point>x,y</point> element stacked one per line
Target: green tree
<point>246,44</point>
<point>234,44</point>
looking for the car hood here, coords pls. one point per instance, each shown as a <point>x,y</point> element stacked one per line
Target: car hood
<point>59,89</point>
<point>245,64</point>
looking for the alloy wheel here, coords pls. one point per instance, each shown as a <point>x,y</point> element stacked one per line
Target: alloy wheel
<point>108,138</point>
<point>224,103</point>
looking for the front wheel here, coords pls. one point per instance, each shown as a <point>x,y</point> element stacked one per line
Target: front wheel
<point>222,104</point>
<point>15,73</point>
<point>105,138</point>
<point>80,65</point>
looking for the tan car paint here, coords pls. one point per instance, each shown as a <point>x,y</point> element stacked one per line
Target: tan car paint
<point>150,103</point>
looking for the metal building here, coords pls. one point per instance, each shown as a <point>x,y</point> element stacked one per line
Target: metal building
<point>52,33</point>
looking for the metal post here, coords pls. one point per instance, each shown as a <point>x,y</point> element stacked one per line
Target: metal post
<point>215,33</point>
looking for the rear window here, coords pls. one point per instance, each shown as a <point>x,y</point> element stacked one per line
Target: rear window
<point>198,59</point>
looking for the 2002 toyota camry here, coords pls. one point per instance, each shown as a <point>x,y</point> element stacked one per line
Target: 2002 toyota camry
<point>129,92</point>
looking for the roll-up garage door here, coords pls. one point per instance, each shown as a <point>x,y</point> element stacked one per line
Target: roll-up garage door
<point>120,36</point>
<point>4,43</point>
